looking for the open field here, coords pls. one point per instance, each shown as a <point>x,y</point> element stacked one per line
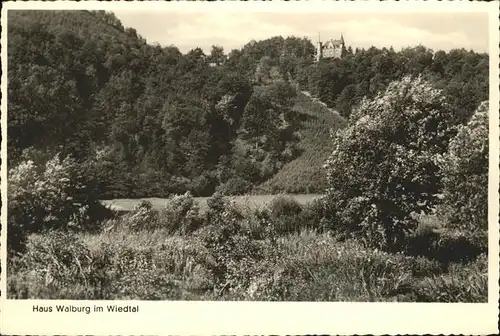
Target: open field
<point>128,204</point>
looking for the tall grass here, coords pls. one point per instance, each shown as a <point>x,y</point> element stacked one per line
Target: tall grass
<point>238,254</point>
<point>463,283</point>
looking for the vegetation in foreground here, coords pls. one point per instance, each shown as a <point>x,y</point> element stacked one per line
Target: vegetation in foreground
<point>235,252</point>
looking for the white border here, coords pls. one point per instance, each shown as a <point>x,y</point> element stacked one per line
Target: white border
<point>267,317</point>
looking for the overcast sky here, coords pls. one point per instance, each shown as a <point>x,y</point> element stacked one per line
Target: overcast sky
<point>232,30</point>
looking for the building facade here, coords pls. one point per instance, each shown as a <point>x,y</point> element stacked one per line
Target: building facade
<point>330,49</point>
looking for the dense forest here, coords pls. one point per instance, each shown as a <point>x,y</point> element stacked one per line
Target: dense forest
<point>146,120</point>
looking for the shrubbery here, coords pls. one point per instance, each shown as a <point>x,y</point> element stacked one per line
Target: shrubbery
<point>446,247</point>
<point>181,214</point>
<point>285,214</point>
<point>61,266</point>
<point>239,255</point>
<point>314,215</point>
<point>143,217</point>
<point>221,237</point>
<point>239,240</point>
<point>465,168</point>
<point>318,268</point>
<point>53,195</point>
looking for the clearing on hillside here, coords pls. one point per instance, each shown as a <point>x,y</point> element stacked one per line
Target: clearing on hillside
<point>305,174</point>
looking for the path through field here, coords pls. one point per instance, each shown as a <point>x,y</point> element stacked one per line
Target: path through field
<point>128,204</point>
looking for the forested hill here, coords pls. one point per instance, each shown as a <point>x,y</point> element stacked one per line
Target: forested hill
<point>147,120</point>
<point>97,25</point>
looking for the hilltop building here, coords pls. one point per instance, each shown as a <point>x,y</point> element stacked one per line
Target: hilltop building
<point>330,49</point>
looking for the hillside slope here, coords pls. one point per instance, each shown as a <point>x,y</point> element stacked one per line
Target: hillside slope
<point>142,120</point>
<point>305,174</point>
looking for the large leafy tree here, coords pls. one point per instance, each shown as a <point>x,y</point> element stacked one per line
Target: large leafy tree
<point>382,168</point>
<point>267,111</point>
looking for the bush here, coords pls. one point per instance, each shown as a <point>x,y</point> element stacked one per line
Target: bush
<point>458,247</point>
<point>61,266</point>
<point>382,168</point>
<point>143,217</point>
<point>47,196</point>
<point>202,185</point>
<point>168,271</point>
<point>285,215</point>
<point>218,235</point>
<point>258,225</point>
<point>227,241</point>
<point>181,214</point>
<point>465,168</point>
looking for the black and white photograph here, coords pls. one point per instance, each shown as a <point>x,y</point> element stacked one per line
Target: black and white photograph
<point>247,156</point>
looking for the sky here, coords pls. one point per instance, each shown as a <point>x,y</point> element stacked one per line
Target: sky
<point>232,30</point>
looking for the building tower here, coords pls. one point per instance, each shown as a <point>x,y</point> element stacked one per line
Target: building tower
<point>319,49</point>
<point>331,49</point>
